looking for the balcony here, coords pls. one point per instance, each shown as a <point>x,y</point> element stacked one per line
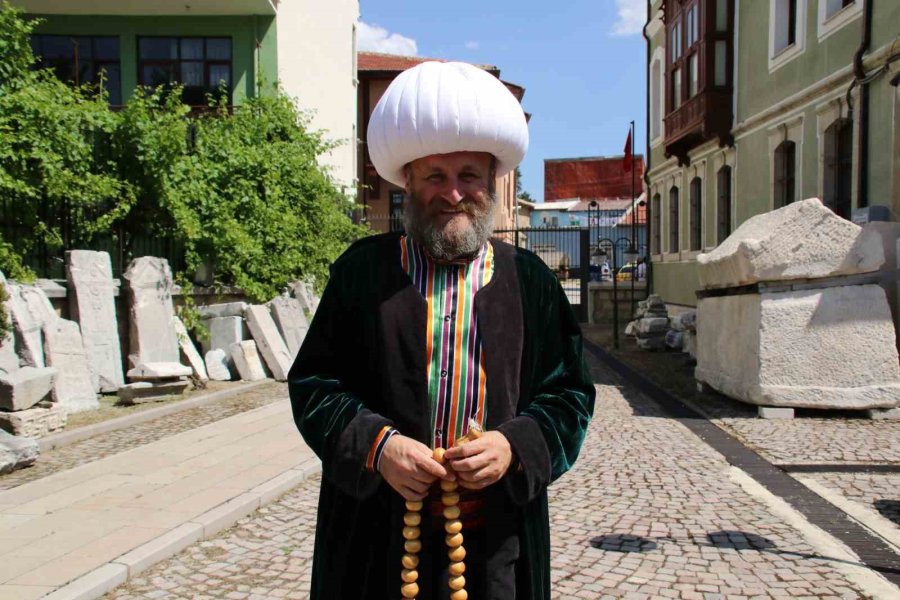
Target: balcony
<point>155,8</point>
<point>698,120</point>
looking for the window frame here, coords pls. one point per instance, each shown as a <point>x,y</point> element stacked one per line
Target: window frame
<point>785,177</point>
<point>837,162</point>
<point>94,65</point>
<point>674,238</point>
<point>778,57</point>
<point>828,24</point>
<point>177,62</point>
<point>656,224</point>
<point>724,177</point>
<point>681,29</point>
<point>695,215</point>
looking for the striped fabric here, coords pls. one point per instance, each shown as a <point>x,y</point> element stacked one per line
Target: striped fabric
<point>374,457</point>
<point>455,365</point>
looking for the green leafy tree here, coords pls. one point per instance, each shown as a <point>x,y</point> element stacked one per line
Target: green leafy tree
<point>520,193</point>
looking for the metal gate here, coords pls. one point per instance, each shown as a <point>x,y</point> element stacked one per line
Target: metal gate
<point>566,251</point>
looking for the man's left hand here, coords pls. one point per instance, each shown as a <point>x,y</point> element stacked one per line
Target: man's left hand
<point>482,462</point>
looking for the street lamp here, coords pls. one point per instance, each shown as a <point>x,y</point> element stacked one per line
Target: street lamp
<point>602,252</point>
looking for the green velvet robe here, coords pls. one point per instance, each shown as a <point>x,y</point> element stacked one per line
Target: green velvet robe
<point>362,366</point>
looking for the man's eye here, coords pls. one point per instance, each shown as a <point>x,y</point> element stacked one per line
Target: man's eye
<point>469,176</point>
<point>435,178</point>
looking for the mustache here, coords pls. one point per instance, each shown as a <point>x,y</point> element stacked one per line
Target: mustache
<point>467,205</point>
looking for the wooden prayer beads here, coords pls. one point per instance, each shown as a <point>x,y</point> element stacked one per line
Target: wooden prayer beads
<point>453,526</point>
<point>411,532</point>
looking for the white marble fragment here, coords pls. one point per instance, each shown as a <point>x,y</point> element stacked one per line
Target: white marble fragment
<point>269,341</point>
<point>247,361</point>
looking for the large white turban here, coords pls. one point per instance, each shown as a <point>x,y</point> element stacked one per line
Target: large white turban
<point>439,108</point>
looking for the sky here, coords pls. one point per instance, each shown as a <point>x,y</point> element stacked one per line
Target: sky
<point>582,64</point>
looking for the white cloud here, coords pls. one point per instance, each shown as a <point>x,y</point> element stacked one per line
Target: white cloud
<point>632,17</point>
<point>372,38</point>
<point>472,45</point>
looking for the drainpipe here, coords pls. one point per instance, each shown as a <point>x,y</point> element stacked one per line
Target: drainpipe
<point>648,284</point>
<point>862,189</point>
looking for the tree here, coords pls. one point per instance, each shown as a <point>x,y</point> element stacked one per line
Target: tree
<point>520,193</point>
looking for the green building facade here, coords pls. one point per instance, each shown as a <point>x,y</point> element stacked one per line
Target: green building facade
<point>782,72</point>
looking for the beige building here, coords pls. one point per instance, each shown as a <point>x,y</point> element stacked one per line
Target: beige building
<point>307,46</point>
<point>382,201</point>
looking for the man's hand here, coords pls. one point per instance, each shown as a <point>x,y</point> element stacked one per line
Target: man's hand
<point>482,462</point>
<point>408,466</point>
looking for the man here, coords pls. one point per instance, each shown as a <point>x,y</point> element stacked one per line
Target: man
<point>422,333</point>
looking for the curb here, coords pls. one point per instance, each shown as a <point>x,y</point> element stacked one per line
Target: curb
<point>202,527</point>
<point>65,438</point>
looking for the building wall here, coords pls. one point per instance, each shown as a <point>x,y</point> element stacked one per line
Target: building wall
<point>317,67</point>
<point>794,99</point>
<point>244,31</point>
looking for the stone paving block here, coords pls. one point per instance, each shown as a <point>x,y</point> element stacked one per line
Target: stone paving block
<point>156,371</point>
<point>64,350</point>
<point>93,585</point>
<point>291,321</point>
<point>161,548</point>
<point>223,332</point>
<point>27,330</point>
<point>247,361</point>
<point>269,341</point>
<point>24,592</point>
<point>216,362</point>
<point>152,333</point>
<point>34,422</point>
<point>228,309</point>
<point>885,414</point>
<point>225,515</point>
<point>145,391</point>
<point>773,412</point>
<point>15,453</point>
<point>25,387</point>
<point>189,351</point>
<point>92,304</point>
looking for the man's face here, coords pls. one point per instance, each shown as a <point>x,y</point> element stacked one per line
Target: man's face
<point>451,207</point>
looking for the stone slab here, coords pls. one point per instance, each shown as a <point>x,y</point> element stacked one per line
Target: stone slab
<point>228,309</point>
<point>189,351</point>
<point>144,391</point>
<point>34,422</point>
<point>9,360</point>
<point>223,332</point>
<point>65,351</point>
<point>159,370</point>
<point>290,320</point>
<point>774,412</point>
<point>26,387</point>
<point>302,291</point>
<point>92,305</point>
<point>27,331</point>
<point>247,361</point>
<point>152,332</point>
<point>51,288</point>
<point>884,414</point>
<point>803,240</point>
<point>675,339</point>
<point>39,305</point>
<point>829,348</point>
<point>16,452</point>
<point>269,341</point>
<point>163,547</point>
<point>92,585</point>
<point>652,343</point>
<point>217,368</point>
<point>652,325</point>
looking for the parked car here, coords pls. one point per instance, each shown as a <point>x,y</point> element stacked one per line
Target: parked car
<point>626,272</point>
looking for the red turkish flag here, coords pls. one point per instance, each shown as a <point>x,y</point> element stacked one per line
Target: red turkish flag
<point>626,163</point>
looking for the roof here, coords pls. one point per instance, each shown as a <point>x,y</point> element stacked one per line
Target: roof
<point>558,205</point>
<point>377,61</point>
<point>602,204</point>
<point>641,212</point>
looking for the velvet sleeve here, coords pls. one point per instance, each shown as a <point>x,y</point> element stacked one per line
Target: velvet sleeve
<point>547,434</point>
<point>331,417</point>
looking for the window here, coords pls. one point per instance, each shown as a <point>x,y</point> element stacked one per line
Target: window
<point>838,154</point>
<point>785,173</point>
<point>676,88</point>
<point>693,75</point>
<point>396,210</point>
<point>723,203</point>
<point>656,224</point>
<point>696,213</point>
<point>82,59</point>
<point>832,7</point>
<point>673,220</point>
<point>201,65</point>
<point>655,119</point>
<point>785,24</point>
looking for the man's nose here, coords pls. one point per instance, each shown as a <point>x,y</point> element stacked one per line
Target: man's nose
<point>452,194</point>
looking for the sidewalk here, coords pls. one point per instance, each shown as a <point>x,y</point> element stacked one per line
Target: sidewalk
<point>80,532</point>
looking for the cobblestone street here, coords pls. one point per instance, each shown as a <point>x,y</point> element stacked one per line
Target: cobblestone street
<point>669,516</point>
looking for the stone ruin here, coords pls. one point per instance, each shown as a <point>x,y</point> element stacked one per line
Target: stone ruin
<point>790,315</point>
<point>51,367</point>
<point>651,324</point>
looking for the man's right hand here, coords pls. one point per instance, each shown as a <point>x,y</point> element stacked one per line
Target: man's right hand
<point>408,466</point>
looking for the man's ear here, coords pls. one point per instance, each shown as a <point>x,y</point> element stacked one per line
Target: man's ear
<point>407,174</point>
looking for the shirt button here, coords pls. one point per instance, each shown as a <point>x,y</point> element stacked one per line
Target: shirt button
<point>443,373</point>
<point>447,318</point>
